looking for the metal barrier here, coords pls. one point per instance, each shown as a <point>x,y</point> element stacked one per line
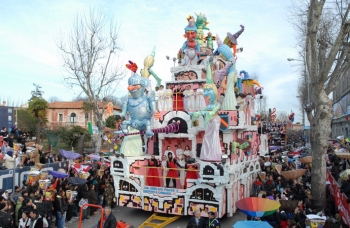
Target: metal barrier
<point>81,215</point>
<point>8,178</point>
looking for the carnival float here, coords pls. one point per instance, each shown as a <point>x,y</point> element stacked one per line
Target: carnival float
<point>191,143</point>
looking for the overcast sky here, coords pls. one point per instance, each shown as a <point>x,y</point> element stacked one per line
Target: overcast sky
<point>28,52</point>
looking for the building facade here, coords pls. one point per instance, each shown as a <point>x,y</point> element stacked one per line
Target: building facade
<point>7,116</point>
<point>341,108</point>
<point>65,114</point>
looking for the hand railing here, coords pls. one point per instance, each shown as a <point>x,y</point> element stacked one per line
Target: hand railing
<point>181,176</point>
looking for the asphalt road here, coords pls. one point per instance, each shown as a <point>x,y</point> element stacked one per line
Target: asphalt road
<point>136,217</point>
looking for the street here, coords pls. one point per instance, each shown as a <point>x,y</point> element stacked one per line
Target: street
<point>136,217</point>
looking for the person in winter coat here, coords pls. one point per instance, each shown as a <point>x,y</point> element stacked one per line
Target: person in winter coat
<point>36,219</point>
<point>196,221</point>
<point>345,187</point>
<point>38,204</point>
<point>300,218</point>
<point>5,218</point>
<point>47,202</point>
<point>9,161</point>
<point>26,206</point>
<point>61,206</point>
<point>25,220</point>
<point>93,199</point>
<point>10,140</point>
<point>109,219</point>
<point>257,186</point>
<point>269,184</point>
<point>284,220</point>
<point>18,206</point>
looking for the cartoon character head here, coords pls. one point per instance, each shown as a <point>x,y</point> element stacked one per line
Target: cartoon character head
<point>191,35</point>
<point>190,29</point>
<point>148,63</point>
<point>201,20</point>
<point>137,84</point>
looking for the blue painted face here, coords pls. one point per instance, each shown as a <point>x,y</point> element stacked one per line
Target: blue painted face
<point>209,93</point>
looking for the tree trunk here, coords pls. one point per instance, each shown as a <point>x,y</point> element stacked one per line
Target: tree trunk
<point>320,130</point>
<point>101,128</point>
<point>99,142</point>
<point>38,128</point>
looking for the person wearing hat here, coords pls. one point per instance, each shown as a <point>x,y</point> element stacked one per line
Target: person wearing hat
<point>212,221</point>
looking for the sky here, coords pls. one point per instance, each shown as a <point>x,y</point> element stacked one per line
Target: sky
<point>29,31</point>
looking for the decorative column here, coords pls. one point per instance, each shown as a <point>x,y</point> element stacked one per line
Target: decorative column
<point>194,146</point>
<point>160,146</point>
<point>227,138</point>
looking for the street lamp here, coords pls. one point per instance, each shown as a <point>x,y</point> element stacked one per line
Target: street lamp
<point>174,59</point>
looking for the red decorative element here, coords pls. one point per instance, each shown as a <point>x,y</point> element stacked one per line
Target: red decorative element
<point>132,66</point>
<point>339,198</point>
<point>81,168</point>
<point>191,173</point>
<point>347,117</point>
<point>152,176</point>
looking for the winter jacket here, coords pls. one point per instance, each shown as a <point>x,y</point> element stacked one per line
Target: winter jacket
<point>5,219</point>
<point>61,204</point>
<point>24,223</point>
<point>9,162</point>
<point>93,198</point>
<point>48,207</point>
<point>41,208</point>
<point>18,206</point>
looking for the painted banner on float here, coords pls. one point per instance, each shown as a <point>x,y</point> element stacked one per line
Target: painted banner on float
<point>339,198</point>
<point>162,191</point>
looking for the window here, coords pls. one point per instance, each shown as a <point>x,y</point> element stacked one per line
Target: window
<point>10,118</point>
<point>73,117</point>
<point>9,110</point>
<point>60,117</point>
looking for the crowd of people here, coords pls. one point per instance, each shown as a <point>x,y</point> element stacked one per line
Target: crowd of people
<point>31,206</point>
<point>45,208</point>
<point>297,192</point>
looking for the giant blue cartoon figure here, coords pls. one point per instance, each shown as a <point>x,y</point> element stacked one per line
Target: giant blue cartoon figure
<point>139,106</point>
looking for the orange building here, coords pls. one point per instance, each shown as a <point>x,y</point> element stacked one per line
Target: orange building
<point>70,113</point>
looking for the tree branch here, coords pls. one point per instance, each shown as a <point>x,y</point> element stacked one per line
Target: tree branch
<point>335,48</point>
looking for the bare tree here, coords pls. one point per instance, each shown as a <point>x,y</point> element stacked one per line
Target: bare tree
<point>324,45</point>
<point>9,101</point>
<point>80,98</point>
<point>53,99</point>
<point>90,55</point>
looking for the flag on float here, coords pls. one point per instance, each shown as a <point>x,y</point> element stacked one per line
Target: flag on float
<point>81,168</point>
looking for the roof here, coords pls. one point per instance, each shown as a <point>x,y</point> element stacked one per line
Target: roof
<point>73,105</point>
